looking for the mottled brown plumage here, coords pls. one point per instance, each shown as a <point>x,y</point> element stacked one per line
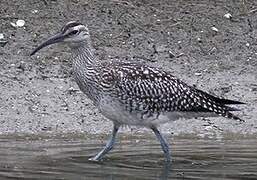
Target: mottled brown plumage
<point>132,93</point>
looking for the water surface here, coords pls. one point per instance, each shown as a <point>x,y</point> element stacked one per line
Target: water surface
<point>134,157</point>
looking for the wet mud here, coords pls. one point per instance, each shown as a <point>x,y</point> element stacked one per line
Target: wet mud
<point>192,39</point>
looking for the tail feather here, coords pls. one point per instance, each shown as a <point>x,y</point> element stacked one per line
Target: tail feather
<point>227,101</point>
<point>217,105</point>
<point>219,100</point>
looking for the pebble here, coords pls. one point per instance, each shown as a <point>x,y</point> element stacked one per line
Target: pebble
<point>34,11</point>
<point>228,15</point>
<point>198,73</point>
<point>3,42</point>
<point>171,55</point>
<point>1,36</point>
<point>18,23</point>
<point>181,54</point>
<point>214,29</point>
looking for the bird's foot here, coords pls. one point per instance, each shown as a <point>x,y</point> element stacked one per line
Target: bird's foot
<point>94,159</point>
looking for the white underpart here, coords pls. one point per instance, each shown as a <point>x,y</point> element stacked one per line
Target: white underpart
<point>117,113</point>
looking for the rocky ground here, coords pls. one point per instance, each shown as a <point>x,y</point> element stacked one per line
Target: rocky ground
<point>209,44</point>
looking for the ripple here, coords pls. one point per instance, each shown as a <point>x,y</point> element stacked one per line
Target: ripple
<point>67,158</point>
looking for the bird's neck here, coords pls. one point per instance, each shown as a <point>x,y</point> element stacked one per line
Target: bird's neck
<point>83,54</point>
<point>84,69</point>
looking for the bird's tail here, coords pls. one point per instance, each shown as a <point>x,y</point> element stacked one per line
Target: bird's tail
<point>218,105</point>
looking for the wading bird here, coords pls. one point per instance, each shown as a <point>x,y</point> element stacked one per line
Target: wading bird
<point>129,93</point>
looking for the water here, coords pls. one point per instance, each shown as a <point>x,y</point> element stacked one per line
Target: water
<point>135,157</point>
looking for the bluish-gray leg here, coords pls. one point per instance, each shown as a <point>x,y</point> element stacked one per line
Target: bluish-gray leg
<point>165,146</point>
<point>108,146</point>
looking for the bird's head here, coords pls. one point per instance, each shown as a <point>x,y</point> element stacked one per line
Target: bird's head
<point>73,33</point>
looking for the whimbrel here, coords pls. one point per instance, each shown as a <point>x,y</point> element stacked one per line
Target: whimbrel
<point>129,93</point>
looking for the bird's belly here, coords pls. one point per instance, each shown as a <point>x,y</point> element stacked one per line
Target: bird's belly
<point>118,113</point>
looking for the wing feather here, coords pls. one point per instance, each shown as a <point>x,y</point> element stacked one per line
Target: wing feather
<point>152,90</point>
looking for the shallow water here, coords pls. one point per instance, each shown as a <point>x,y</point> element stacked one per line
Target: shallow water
<point>135,157</point>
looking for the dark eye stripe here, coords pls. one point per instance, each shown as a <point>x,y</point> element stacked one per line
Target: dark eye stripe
<point>73,32</point>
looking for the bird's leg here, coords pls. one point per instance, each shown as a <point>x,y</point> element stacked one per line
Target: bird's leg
<point>108,146</point>
<point>165,146</point>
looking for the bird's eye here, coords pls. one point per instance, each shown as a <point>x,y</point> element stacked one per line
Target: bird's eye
<point>73,32</point>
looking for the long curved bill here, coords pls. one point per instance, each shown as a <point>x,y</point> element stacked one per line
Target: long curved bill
<point>52,40</point>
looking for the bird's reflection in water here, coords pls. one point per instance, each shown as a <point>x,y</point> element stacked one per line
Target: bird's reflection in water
<point>165,171</point>
<point>112,169</point>
<point>67,158</point>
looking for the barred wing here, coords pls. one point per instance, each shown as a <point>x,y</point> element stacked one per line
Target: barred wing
<point>151,90</point>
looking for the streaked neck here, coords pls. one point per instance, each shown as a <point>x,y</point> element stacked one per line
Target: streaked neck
<point>83,54</point>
